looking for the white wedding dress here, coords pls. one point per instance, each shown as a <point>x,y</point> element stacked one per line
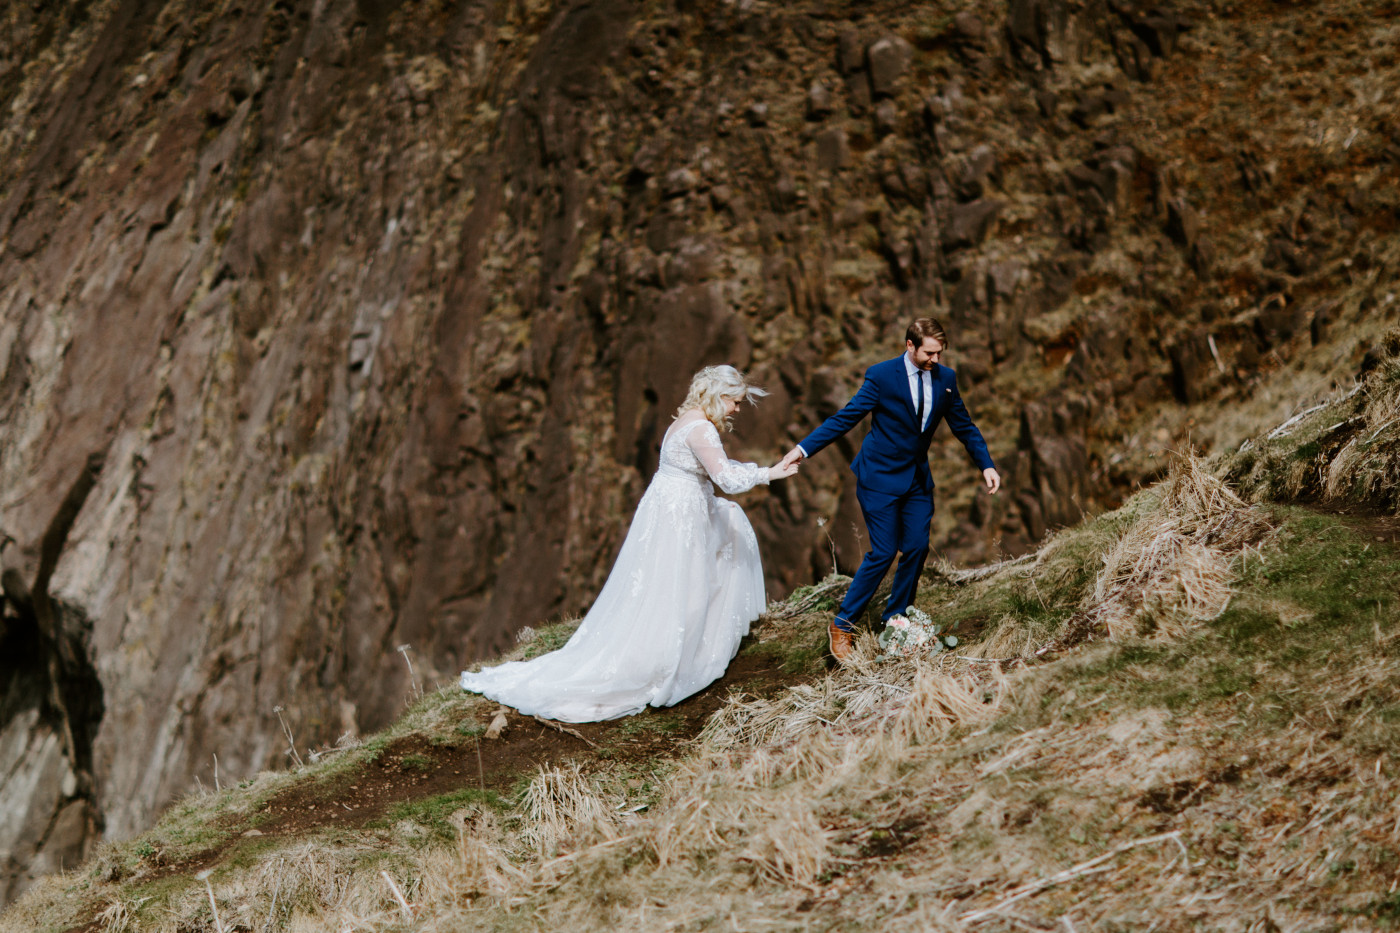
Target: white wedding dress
<point>686,586</point>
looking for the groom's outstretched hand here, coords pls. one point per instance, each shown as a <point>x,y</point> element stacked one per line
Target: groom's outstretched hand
<point>793,456</point>
<point>993,479</point>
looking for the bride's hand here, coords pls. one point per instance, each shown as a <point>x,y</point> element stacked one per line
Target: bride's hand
<point>782,470</point>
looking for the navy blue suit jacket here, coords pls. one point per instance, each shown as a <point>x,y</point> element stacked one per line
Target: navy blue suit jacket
<point>893,458</point>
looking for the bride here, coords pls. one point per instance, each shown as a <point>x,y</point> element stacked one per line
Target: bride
<point>685,587</point>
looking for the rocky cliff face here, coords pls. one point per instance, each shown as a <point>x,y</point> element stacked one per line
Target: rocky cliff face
<point>376,311</point>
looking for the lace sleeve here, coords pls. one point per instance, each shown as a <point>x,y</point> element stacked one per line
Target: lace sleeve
<point>729,475</point>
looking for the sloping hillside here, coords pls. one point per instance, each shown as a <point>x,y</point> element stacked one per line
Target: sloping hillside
<point>1178,715</point>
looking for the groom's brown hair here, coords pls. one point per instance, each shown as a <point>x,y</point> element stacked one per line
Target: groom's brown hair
<point>924,328</point>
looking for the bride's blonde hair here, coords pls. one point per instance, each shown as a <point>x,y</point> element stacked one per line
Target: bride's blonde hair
<point>711,386</point>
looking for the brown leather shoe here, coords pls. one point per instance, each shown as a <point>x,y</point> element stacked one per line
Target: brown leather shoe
<point>842,643</point>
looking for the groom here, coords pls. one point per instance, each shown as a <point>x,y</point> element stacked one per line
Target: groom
<point>905,398</point>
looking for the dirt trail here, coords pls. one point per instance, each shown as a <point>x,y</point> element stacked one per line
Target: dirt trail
<point>413,768</point>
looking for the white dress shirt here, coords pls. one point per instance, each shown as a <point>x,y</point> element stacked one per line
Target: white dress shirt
<point>915,373</point>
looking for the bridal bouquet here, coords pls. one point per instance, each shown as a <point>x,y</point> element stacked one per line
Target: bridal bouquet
<point>913,632</point>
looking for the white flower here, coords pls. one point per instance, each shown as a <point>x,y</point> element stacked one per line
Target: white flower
<point>913,631</point>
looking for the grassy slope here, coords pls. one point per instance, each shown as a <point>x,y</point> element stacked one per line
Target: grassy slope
<point>1230,774</point>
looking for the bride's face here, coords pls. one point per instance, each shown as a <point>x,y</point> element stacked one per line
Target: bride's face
<point>731,405</point>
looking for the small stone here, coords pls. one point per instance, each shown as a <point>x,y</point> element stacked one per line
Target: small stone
<point>915,179</point>
<point>886,118</point>
<point>858,92</point>
<point>969,26</point>
<point>970,223</point>
<point>850,214</point>
<point>757,114</point>
<point>1090,107</point>
<point>1159,30</point>
<point>850,58</point>
<point>1193,367</point>
<point>1124,155</point>
<point>1005,277</point>
<point>647,158</point>
<point>498,725</point>
<point>679,182</point>
<point>1278,322</point>
<point>935,111</point>
<point>980,164</point>
<point>786,190</point>
<point>833,149</point>
<point>361,349</point>
<point>1120,186</point>
<point>1183,222</point>
<point>692,262</point>
<point>1025,29</point>
<point>818,101</point>
<point>1134,57</point>
<point>887,59</point>
<point>894,187</point>
<point>1321,321</point>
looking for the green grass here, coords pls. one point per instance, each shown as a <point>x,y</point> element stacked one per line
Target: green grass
<point>461,733</point>
<point>1310,604</point>
<point>246,853</point>
<point>800,655</point>
<point>1307,451</point>
<point>192,828</point>
<point>433,812</point>
<point>825,603</point>
<point>1386,908</point>
<point>656,723</point>
<point>1039,603</point>
<point>549,638</point>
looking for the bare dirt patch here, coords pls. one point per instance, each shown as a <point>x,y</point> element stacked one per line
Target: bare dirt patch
<point>1380,527</point>
<point>415,768</point>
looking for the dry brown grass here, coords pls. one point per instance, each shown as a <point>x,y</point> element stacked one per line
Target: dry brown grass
<point>1367,468</point>
<point>1172,568</point>
<point>561,804</point>
<point>1345,450</point>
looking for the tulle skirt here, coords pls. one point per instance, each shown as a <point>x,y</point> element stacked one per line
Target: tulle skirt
<point>687,584</point>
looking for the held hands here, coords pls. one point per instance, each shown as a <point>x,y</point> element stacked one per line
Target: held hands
<point>787,466</point>
<point>782,470</point>
<point>993,479</point>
